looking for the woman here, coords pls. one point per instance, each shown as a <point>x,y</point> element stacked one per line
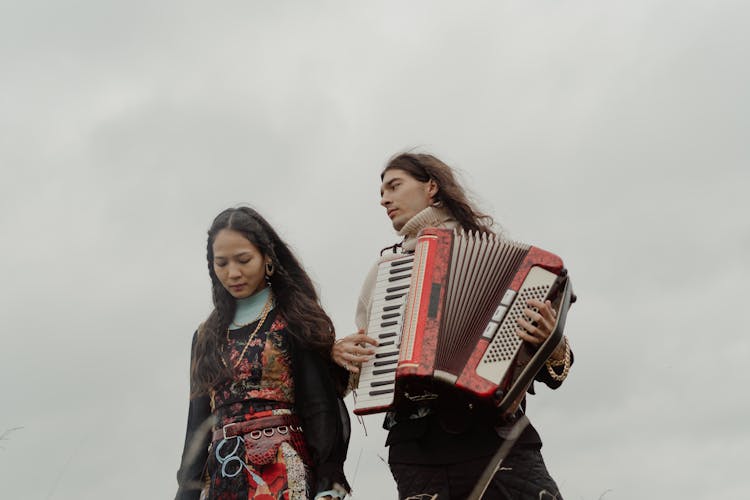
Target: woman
<point>266,420</point>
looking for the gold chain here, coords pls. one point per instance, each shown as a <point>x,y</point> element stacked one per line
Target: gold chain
<point>565,363</point>
<point>263,315</point>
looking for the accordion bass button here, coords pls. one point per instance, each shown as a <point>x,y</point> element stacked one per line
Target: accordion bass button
<point>499,313</point>
<point>508,297</point>
<point>489,331</point>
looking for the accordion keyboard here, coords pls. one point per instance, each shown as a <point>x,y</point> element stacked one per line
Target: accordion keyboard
<point>378,376</point>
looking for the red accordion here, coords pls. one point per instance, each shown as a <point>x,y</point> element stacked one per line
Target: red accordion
<point>446,316</point>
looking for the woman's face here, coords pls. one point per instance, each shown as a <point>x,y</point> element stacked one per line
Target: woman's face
<point>238,264</point>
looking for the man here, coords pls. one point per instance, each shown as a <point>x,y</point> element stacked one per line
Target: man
<point>442,448</point>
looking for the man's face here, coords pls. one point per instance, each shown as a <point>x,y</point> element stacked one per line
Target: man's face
<point>403,196</point>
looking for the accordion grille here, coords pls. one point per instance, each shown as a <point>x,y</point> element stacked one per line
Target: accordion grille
<point>506,342</point>
<point>502,350</point>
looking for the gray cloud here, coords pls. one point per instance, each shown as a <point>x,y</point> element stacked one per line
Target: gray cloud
<point>613,135</point>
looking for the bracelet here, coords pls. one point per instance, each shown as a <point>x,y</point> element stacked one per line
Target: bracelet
<point>565,363</point>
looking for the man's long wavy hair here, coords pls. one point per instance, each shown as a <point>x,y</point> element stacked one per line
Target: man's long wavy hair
<point>295,295</point>
<point>450,194</point>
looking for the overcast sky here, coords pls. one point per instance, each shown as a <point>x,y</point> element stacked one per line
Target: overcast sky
<point>614,134</point>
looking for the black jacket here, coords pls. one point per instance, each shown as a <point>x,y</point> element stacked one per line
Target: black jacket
<point>457,430</point>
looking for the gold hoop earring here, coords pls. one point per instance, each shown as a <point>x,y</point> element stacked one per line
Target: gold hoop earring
<point>269,269</point>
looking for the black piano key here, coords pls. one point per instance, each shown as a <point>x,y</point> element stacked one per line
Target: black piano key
<point>396,278</point>
<point>391,342</point>
<point>383,371</point>
<point>386,354</point>
<point>401,262</point>
<point>400,269</point>
<point>388,323</point>
<point>381,391</point>
<point>396,288</point>
<point>386,335</point>
<point>390,315</point>
<point>394,296</point>
<point>385,362</point>
<point>391,308</point>
<point>382,382</point>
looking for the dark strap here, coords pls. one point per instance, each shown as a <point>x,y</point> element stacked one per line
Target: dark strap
<point>492,467</point>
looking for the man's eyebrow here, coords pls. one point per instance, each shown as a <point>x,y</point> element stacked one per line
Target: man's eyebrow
<point>389,184</point>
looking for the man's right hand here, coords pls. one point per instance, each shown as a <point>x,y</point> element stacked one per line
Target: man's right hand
<point>353,350</point>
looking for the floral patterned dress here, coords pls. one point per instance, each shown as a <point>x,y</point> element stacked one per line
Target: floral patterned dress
<point>261,386</point>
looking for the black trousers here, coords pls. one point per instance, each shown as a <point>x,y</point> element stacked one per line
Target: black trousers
<point>522,476</point>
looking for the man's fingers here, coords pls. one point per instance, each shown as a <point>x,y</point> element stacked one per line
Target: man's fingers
<point>534,334</point>
<point>367,340</point>
<point>353,358</point>
<point>527,327</point>
<point>535,316</point>
<point>359,338</point>
<point>527,337</point>
<point>363,350</point>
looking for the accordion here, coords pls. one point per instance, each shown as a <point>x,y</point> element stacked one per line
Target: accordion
<point>446,318</point>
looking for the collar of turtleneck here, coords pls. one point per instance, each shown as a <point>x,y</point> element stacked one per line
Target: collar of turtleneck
<point>249,308</point>
<point>429,217</point>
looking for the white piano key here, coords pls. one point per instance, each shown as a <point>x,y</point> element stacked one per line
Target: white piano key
<point>381,378</point>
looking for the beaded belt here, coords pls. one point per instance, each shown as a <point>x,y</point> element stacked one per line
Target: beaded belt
<point>259,427</point>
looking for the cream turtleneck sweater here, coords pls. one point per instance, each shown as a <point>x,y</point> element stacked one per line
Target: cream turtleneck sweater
<point>429,217</point>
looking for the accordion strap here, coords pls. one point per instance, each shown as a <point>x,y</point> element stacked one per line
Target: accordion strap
<point>492,467</point>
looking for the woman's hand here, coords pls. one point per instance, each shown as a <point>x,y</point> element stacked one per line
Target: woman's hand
<point>351,351</point>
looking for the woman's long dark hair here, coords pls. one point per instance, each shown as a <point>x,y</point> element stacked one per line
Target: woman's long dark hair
<point>296,299</point>
<point>450,194</point>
